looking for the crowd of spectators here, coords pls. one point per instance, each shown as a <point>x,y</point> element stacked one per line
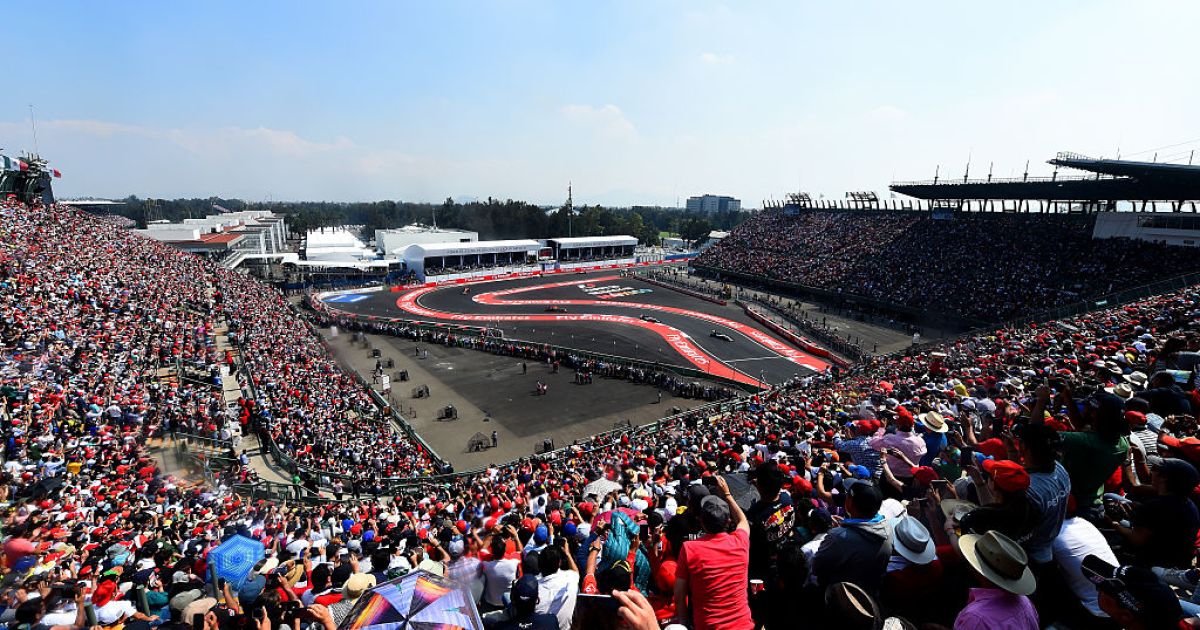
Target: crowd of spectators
<point>1009,479</point>
<point>988,267</point>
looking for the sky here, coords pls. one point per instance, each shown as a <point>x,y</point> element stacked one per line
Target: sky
<point>632,102</point>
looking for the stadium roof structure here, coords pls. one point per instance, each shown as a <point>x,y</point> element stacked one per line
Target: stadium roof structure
<point>1111,181</point>
<point>428,250</point>
<point>574,242</point>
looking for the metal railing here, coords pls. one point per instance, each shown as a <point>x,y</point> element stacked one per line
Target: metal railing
<point>1106,301</point>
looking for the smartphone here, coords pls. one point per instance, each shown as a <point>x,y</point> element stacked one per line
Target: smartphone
<point>603,604</point>
<point>966,456</point>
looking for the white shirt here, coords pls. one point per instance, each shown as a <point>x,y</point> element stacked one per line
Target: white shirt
<point>498,576</point>
<point>556,596</point>
<point>297,547</point>
<point>810,549</point>
<point>1076,540</point>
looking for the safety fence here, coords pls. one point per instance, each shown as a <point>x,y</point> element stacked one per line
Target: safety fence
<point>1109,300</point>
<point>791,337</point>
<point>674,286</point>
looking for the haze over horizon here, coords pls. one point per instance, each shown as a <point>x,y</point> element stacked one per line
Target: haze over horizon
<point>635,103</point>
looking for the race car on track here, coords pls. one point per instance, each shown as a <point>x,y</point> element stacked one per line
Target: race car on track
<point>554,308</point>
<point>652,320</point>
<point>722,336</point>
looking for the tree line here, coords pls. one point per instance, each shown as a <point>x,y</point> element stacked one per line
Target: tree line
<point>491,218</point>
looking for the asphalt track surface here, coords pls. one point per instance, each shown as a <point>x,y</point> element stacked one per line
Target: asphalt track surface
<point>602,312</point>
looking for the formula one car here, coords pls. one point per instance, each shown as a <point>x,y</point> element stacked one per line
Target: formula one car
<point>652,320</point>
<point>554,308</point>
<point>722,336</point>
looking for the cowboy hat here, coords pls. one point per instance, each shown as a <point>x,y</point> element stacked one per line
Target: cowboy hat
<point>934,422</point>
<point>1123,390</point>
<point>913,541</point>
<point>956,509</point>
<point>268,565</point>
<point>999,559</point>
<point>851,604</point>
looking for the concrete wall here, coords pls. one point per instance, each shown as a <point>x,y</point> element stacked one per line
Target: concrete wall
<point>1127,225</point>
<point>175,232</point>
<point>393,242</point>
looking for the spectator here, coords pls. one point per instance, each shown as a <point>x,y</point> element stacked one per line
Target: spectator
<point>913,584</point>
<point>522,612</point>
<point>558,585</point>
<point>910,447</point>
<point>858,550</point>
<point>1161,531</point>
<point>1092,456</point>
<point>712,573</point>
<point>772,521</point>
<point>1133,596</point>
<point>1078,539</point>
<point>1003,583</point>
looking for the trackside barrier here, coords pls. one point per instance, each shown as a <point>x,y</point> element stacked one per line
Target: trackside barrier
<point>791,337</point>
<point>674,287</point>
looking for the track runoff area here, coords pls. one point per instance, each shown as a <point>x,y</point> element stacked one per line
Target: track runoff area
<point>601,311</point>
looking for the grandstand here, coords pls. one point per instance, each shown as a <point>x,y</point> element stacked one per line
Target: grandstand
<point>116,345</point>
<point>972,267</point>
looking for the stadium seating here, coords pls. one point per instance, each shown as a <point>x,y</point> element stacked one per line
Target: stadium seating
<point>988,267</point>
<point>100,329</point>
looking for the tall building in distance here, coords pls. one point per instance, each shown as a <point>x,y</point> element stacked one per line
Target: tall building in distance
<point>714,203</point>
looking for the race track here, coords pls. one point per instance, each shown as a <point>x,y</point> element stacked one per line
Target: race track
<point>601,312</point>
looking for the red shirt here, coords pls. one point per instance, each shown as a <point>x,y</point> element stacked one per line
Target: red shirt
<point>716,568</point>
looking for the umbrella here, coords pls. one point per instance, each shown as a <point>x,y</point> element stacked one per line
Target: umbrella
<point>420,601</point>
<point>600,488</point>
<point>234,559</point>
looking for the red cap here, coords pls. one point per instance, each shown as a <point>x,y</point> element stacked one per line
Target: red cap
<point>1008,475</point>
<point>993,448</point>
<point>924,474</point>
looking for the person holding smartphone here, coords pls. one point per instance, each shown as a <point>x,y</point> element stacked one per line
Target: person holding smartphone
<point>712,573</point>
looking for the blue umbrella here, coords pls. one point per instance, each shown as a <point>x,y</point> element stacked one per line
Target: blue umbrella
<point>234,559</point>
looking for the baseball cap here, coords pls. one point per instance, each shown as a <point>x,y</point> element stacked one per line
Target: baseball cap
<point>1008,475</point>
<point>1135,589</point>
<point>525,591</point>
<point>1181,476</point>
<point>859,471</point>
<point>714,513</point>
